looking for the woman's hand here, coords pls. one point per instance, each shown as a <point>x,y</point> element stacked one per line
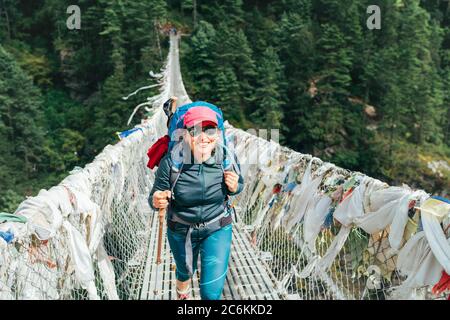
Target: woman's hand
<point>231,180</point>
<point>161,199</point>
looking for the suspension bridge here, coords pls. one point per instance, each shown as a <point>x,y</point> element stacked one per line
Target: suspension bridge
<point>304,229</point>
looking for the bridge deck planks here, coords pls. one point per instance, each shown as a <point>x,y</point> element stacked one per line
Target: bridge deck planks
<point>247,277</point>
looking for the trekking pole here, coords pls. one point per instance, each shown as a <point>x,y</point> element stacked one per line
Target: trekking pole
<point>160,234</point>
<point>170,106</point>
<point>174,103</point>
<point>161,215</point>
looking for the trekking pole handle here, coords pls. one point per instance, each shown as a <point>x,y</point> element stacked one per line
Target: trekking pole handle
<point>161,215</point>
<point>173,105</point>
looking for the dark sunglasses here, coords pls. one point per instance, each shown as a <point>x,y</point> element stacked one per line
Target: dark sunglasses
<point>210,131</point>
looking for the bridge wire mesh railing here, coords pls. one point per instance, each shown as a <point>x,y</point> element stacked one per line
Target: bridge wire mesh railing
<point>365,267</point>
<point>88,237</point>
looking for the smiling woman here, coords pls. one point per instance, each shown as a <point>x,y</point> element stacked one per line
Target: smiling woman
<point>61,103</point>
<point>196,193</point>
<point>201,124</point>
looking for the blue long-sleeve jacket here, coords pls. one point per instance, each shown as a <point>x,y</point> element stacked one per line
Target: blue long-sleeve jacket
<point>200,192</point>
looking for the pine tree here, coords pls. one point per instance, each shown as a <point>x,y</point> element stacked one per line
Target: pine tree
<point>268,103</point>
<point>281,7</point>
<point>200,61</point>
<point>445,75</point>
<point>233,57</point>
<point>257,31</point>
<point>233,10</point>
<point>9,14</point>
<point>226,95</point>
<point>20,121</point>
<point>139,30</point>
<point>243,63</point>
<point>216,11</point>
<point>425,97</point>
<point>187,5</point>
<point>411,107</point>
<point>232,49</point>
<point>109,113</point>
<point>334,62</point>
<point>294,40</point>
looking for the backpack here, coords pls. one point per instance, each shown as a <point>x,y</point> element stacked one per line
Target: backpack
<point>169,143</point>
<point>172,143</point>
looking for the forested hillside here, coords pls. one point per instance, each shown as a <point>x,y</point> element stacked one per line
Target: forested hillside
<point>376,101</point>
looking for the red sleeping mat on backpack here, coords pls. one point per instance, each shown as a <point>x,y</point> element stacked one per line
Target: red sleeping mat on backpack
<point>443,285</point>
<point>157,151</point>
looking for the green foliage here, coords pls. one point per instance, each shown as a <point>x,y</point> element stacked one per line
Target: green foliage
<point>199,61</point>
<point>60,89</point>
<point>334,61</point>
<point>36,65</point>
<point>221,69</point>
<point>268,95</point>
<point>9,200</point>
<point>410,163</point>
<point>310,68</point>
<point>187,4</point>
<point>20,114</point>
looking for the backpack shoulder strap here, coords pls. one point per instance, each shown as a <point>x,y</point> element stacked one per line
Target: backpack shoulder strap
<point>174,176</point>
<point>230,161</point>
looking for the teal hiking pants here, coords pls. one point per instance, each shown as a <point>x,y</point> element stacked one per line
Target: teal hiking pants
<point>214,249</point>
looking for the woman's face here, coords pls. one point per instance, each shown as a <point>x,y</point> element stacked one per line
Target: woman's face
<point>203,140</point>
